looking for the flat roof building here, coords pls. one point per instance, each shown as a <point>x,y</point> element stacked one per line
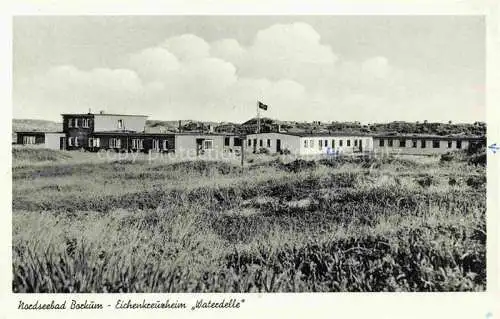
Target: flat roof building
<point>309,143</point>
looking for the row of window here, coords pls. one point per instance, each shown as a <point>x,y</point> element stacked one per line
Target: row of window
<point>261,143</point>
<point>236,141</point>
<point>85,123</point>
<point>423,143</point>
<point>310,143</point>
<point>324,143</point>
<point>29,140</point>
<point>79,122</point>
<point>117,143</point>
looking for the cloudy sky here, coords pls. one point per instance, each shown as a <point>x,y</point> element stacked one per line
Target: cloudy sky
<point>364,68</point>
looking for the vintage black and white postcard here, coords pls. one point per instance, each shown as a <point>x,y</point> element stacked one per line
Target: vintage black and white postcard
<point>244,154</point>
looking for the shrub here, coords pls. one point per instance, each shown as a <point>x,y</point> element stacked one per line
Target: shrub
<point>298,165</point>
<point>286,151</point>
<point>426,181</point>
<point>263,150</point>
<point>452,181</point>
<point>476,181</point>
<point>478,159</point>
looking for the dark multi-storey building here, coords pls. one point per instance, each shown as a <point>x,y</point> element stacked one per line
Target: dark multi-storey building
<point>125,133</point>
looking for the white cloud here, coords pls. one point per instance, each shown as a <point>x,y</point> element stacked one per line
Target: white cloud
<point>187,47</point>
<point>290,51</point>
<point>229,50</point>
<point>154,63</point>
<point>286,66</point>
<point>377,67</point>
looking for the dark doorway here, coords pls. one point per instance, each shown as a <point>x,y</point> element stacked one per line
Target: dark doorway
<point>199,146</point>
<point>278,146</point>
<point>62,143</point>
<point>255,145</point>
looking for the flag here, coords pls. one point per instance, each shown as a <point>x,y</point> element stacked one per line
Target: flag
<point>262,106</point>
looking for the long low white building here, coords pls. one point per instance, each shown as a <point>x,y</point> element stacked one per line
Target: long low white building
<point>308,143</point>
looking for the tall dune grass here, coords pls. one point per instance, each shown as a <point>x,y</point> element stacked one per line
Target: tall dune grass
<point>350,225</point>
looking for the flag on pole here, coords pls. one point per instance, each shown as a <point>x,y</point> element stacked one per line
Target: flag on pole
<point>262,106</point>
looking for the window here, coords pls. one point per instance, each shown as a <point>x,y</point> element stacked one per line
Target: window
<point>70,122</point>
<point>341,142</point>
<point>73,141</point>
<point>422,143</point>
<point>356,143</point>
<point>120,124</point>
<point>226,141</point>
<point>450,143</point>
<point>115,142</point>
<point>86,123</point>
<point>305,143</point>
<point>249,142</point>
<point>333,143</point>
<point>390,142</point>
<point>326,143</point>
<point>137,143</point>
<point>414,142</point>
<point>77,122</point>
<point>237,141</point>
<point>381,142</point>
<point>29,140</point>
<point>348,142</point>
<point>208,144</point>
<point>320,144</point>
<point>268,143</point>
<point>459,144</point>
<point>156,144</point>
<point>311,143</point>
<point>165,145</point>
<point>435,144</point>
<point>260,143</point>
<point>94,142</point>
<point>402,142</point>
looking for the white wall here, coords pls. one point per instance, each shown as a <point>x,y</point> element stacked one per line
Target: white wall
<point>366,143</point>
<point>185,145</point>
<point>290,142</point>
<point>107,122</point>
<point>52,140</point>
<point>409,149</point>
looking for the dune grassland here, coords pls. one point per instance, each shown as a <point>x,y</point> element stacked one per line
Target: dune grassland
<point>82,224</point>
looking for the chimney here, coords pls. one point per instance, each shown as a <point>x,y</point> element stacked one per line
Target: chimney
<point>90,110</point>
<point>101,112</point>
<point>279,128</point>
<point>180,125</point>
